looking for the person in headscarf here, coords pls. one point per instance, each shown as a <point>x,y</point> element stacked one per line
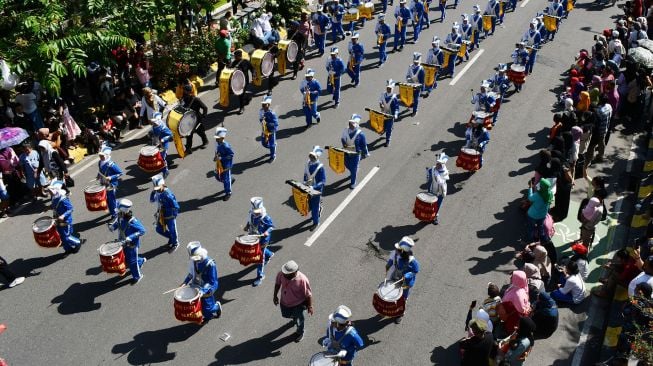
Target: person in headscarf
<point>491,302</point>
<point>589,218</point>
<point>545,315</point>
<point>514,303</point>
<point>520,343</point>
<point>574,151</point>
<point>584,101</point>
<point>534,276</point>
<point>476,348</point>
<point>562,195</point>
<point>540,203</point>
<point>595,93</point>
<point>544,166</point>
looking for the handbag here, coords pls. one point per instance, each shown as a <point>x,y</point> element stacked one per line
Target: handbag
<point>70,182</point>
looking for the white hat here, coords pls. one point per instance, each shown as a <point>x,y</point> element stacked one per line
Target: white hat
<point>157,118</point>
<point>485,84</point>
<point>310,72</point>
<point>355,118</point>
<point>267,100</point>
<point>256,202</point>
<point>289,267</point>
<point>502,67</point>
<point>192,246</point>
<point>406,243</point>
<point>615,34</point>
<point>534,22</point>
<point>522,43</point>
<point>105,151</point>
<point>355,35</point>
<point>220,132</point>
<point>334,50</point>
<point>56,186</point>
<point>417,57</point>
<point>441,158</point>
<point>402,1</point>
<point>465,17</point>
<point>477,8</point>
<point>317,151</point>
<point>381,16</point>
<point>341,315</point>
<point>454,26</point>
<point>436,41</point>
<point>124,205</point>
<point>390,83</point>
<point>158,181</point>
<point>198,254</point>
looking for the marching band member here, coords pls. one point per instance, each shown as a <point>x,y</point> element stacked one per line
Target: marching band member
<point>191,101</point>
<point>315,176</point>
<point>417,9</point>
<point>109,176</point>
<point>321,24</point>
<point>415,74</point>
<point>477,138</point>
<point>335,67</point>
<point>426,22</point>
<point>442,5</point>
<point>269,125</point>
<point>541,29</point>
<point>532,39</point>
<point>130,231</point>
<point>356,55</point>
<point>389,104</point>
<point>403,266</point>
<point>453,41</point>
<point>163,135</point>
<point>500,83</point>
<point>260,223</point>
<point>435,56</point>
<point>520,57</point>
<point>555,9</point>
<point>337,11</point>
<point>481,100</point>
<point>383,32</point>
<point>342,339</point>
<point>436,179</point>
<point>477,25</point>
<point>466,33</point>
<point>203,275</point>
<point>353,139</point>
<point>166,213</point>
<point>402,15</point>
<point>62,209</point>
<point>246,67</point>
<point>310,89</point>
<point>492,8</point>
<point>224,158</point>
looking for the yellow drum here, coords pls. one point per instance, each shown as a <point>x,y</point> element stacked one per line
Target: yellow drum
<point>174,118</point>
<point>263,63</point>
<point>366,10</point>
<point>230,80</point>
<point>287,52</point>
<point>351,15</point>
<point>463,48</point>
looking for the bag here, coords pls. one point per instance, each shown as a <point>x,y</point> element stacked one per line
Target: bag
<point>579,214</point>
<point>605,212</point>
<point>70,182</point>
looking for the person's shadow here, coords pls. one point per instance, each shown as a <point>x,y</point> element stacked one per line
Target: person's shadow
<point>445,356</point>
<point>255,349</point>
<point>152,346</point>
<point>389,235</point>
<point>80,297</point>
<point>369,326</point>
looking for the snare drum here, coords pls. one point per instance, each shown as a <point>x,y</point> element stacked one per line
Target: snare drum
<point>112,258</point>
<point>150,159</point>
<point>426,206</point>
<point>482,117</point>
<point>246,250</point>
<point>95,196</point>
<point>321,359</point>
<point>45,232</point>
<point>469,159</point>
<point>188,305</point>
<point>289,48</point>
<point>388,300</point>
<point>517,74</point>
<point>497,101</point>
<point>263,63</point>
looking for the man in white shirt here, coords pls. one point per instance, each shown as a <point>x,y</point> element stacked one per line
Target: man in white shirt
<point>645,276</point>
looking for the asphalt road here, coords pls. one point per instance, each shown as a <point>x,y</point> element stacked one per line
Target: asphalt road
<point>69,312</point>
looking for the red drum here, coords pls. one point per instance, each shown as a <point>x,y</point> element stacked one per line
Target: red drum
<point>112,258</point>
<point>517,74</point>
<point>388,300</point>
<point>96,197</point>
<point>482,117</point>
<point>426,206</point>
<point>497,102</point>
<point>150,159</point>
<point>45,232</point>
<point>246,250</point>
<point>188,305</point>
<point>469,159</point>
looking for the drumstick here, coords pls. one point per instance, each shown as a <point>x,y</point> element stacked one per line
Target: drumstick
<point>394,283</point>
<point>174,289</point>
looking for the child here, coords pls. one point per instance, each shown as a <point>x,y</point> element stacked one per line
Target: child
<point>491,302</point>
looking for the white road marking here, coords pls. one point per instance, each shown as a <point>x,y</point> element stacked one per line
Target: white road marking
<point>341,207</point>
<point>467,66</point>
<point>524,3</point>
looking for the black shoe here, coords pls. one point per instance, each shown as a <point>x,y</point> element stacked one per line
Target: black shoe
<point>81,241</point>
<point>204,143</point>
<point>232,181</point>
<point>226,197</point>
<point>241,111</point>
<point>188,151</point>
<point>299,337</point>
<point>398,319</point>
<point>313,227</point>
<point>172,248</point>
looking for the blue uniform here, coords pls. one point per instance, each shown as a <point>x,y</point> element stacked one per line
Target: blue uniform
<point>335,68</point>
<point>313,89</point>
<point>483,102</point>
<point>466,34</point>
<point>442,5</point>
<point>389,104</point>
<point>259,225</point>
<point>434,56</point>
<point>354,140</point>
<point>225,153</point>
<point>164,135</point>
<point>477,138</point>
<point>168,209</point>
<point>400,32</point>
<point>533,39</point>
<point>453,38</point>
<point>337,12</point>
<point>499,84</point>
<point>383,29</point>
<point>62,206</point>
<point>109,175</point>
<point>321,22</point>
<point>418,14</point>
<point>401,268</point>
<point>270,122</point>
<point>477,26</point>
<point>415,74</point>
<point>492,8</point>
<point>130,231</point>
<point>203,275</point>
<point>556,9</point>
<point>356,54</point>
<point>315,176</point>
<point>520,57</point>
<point>436,180</point>
<point>344,340</point>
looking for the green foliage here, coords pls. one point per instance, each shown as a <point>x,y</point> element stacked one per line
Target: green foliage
<point>286,9</point>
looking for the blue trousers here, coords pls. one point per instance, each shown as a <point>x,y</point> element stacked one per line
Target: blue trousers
<point>451,68</point>
<point>416,92</point>
<point>171,232</point>
<point>443,11</point>
<point>558,296</point>
<point>425,17</point>
<point>134,262</point>
<point>270,144</point>
<point>310,112</point>
<point>417,27</point>
<point>537,224</point>
<point>314,205</point>
<point>68,241</point>
<point>383,54</point>
<point>260,268</point>
<point>400,37</point>
<point>513,5</point>
<point>388,124</point>
<point>440,200</point>
<point>355,75</point>
<point>336,30</point>
<point>551,35</point>
<point>531,61</point>
<point>320,40</point>
<point>334,89</point>
<point>112,203</point>
<point>209,306</point>
<point>164,156</point>
<point>476,37</point>
<point>351,163</point>
<point>225,178</point>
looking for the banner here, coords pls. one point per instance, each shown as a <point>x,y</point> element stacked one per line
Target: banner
<point>446,58</point>
<point>429,74</point>
<point>406,94</point>
<point>337,160</point>
<point>301,201</point>
<point>570,6</point>
<point>487,22</point>
<point>550,23</point>
<point>377,121</point>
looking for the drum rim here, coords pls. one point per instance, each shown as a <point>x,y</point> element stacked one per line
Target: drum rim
<point>270,60</point>
<point>321,356</point>
<point>247,236</point>
<point>117,246</point>
<point>295,48</point>
<point>466,149</point>
<point>145,149</point>
<point>517,68</point>
<point>185,289</point>
<point>383,297</point>
<point>179,124</point>
<point>42,218</point>
<point>242,75</point>
<point>427,194</point>
<point>100,188</point>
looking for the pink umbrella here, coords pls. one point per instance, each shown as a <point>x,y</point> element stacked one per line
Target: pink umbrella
<point>10,136</point>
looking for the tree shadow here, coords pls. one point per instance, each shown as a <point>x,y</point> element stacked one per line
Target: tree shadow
<point>266,346</point>
<point>239,168</point>
<point>152,346</point>
<point>369,326</point>
<point>389,235</point>
<point>445,356</point>
<point>80,297</point>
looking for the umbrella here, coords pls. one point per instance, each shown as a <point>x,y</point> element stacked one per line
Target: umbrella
<point>10,136</point>
<point>641,56</point>
<point>646,43</point>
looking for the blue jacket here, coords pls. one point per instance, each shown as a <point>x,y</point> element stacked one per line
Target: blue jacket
<point>418,10</point>
<point>520,56</point>
<point>385,30</point>
<point>262,225</point>
<point>314,88</point>
<point>556,10</point>
<point>203,275</point>
<point>348,339</point>
<point>477,22</point>
<point>163,133</point>
<point>319,180</point>
<point>63,207</point>
<point>533,38</point>
<point>392,100</point>
<point>415,71</point>
<point>357,52</point>
<point>167,203</point>
<point>271,122</point>
<point>466,31</point>
<point>339,11</point>
<point>405,14</point>
<point>111,172</point>
<point>483,137</point>
<point>323,22</point>
<point>226,154</point>
<point>454,38</point>
<point>130,230</point>
<point>360,143</point>
<point>408,268</point>
<point>337,66</point>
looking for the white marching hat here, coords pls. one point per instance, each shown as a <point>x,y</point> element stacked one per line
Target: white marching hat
<point>390,83</point>
<point>158,180</point>
<point>381,16</point>
<point>441,158</point>
<point>220,132</point>
<point>355,118</point>
<point>267,100</point>
<point>417,57</point>
<point>436,41</point>
<point>477,8</point>
<point>125,205</point>
<point>356,35</point>
<point>198,254</point>
<point>465,17</point>
<point>317,151</point>
<point>485,84</point>
<point>341,315</point>
<point>55,185</point>
<point>310,72</point>
<point>334,50</point>
<point>192,246</point>
<point>406,243</point>
<point>105,151</point>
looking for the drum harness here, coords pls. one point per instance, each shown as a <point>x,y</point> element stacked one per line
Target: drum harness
<point>335,343</point>
<point>197,276</point>
<point>122,229</point>
<point>350,142</point>
<point>398,274</point>
<point>414,75</point>
<point>198,114</point>
<point>311,177</point>
<point>107,182</point>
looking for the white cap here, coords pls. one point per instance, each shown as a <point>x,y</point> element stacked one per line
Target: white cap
<point>317,151</point>
<point>402,1</point>
<point>441,158</point>
<point>454,26</point>
<point>158,181</point>
<point>355,35</point>
<point>267,100</point>
<point>192,246</point>
<point>406,243</point>
<point>382,16</point>
<point>256,202</point>
<point>198,254</point>
<point>465,17</point>
<point>334,50</point>
<point>220,132</point>
<point>310,72</point>
<point>289,267</point>
<point>485,84</point>
<point>417,57</point>
<point>355,119</point>
<point>55,186</point>
<point>341,315</point>
<point>390,83</point>
<point>477,8</point>
<point>105,151</point>
<point>124,205</point>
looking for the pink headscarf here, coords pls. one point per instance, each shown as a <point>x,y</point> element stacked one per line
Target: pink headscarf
<point>592,209</point>
<point>517,293</point>
<point>576,133</point>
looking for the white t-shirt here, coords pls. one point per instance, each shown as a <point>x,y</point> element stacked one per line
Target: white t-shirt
<point>642,277</point>
<point>576,286</point>
<point>583,269</point>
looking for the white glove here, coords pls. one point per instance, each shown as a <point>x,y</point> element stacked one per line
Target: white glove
<point>326,343</point>
<point>341,354</point>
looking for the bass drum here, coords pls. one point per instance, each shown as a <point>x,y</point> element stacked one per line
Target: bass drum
<point>291,49</point>
<point>237,82</point>
<point>187,123</point>
<point>263,62</point>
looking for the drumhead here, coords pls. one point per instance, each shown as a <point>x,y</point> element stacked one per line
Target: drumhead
<point>390,292</point>
<point>320,359</point>
<point>94,188</point>
<point>237,82</point>
<point>427,197</point>
<point>187,294</point>
<point>353,11</point>
<point>481,114</point>
<point>369,5</point>
<point>247,239</point>
<point>291,51</point>
<point>517,68</point>
<point>149,150</point>
<point>42,224</point>
<point>469,151</point>
<point>187,123</point>
<point>111,248</point>
<point>267,64</point>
